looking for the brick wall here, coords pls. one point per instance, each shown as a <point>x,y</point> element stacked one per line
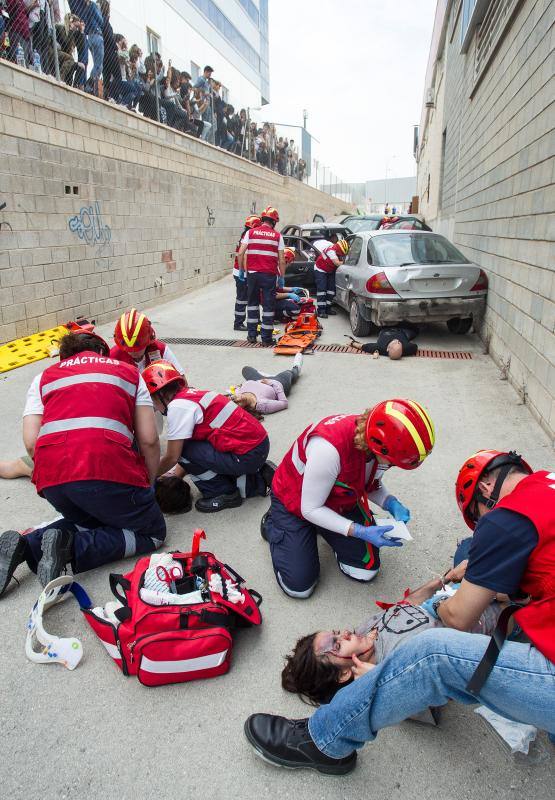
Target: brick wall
<point>110,210</point>
<point>498,195</point>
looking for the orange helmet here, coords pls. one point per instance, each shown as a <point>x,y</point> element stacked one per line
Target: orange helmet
<point>400,431</point>
<point>87,330</point>
<point>271,213</point>
<point>161,373</point>
<point>289,255</point>
<point>133,331</point>
<point>473,469</point>
<point>252,221</point>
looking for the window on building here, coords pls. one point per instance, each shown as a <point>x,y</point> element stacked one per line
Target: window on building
<point>491,30</point>
<point>230,33</point>
<point>195,71</point>
<point>468,7</point>
<point>153,42</point>
<point>441,170</point>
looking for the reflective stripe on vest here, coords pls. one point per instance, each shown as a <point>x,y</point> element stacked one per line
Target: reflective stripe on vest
<point>224,415</point>
<point>207,399</point>
<point>92,377</point>
<point>261,252</point>
<point>79,423</point>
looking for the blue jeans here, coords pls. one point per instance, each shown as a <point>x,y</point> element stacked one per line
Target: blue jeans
<point>429,670</point>
<point>96,46</point>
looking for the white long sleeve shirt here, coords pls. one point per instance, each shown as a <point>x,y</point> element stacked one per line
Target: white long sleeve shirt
<point>323,465</point>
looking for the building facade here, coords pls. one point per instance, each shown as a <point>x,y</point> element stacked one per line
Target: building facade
<point>229,35</point>
<point>486,174</point>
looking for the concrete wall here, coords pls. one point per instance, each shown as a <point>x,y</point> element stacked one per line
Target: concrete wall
<point>156,212</point>
<point>497,195</point>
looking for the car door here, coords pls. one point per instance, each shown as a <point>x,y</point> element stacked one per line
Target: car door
<point>343,276</point>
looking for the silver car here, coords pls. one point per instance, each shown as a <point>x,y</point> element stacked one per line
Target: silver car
<point>418,276</point>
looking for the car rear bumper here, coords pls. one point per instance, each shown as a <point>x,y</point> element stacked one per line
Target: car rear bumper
<point>385,312</point>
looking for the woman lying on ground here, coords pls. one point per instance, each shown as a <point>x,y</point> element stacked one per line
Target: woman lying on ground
<point>323,662</point>
<point>265,394</point>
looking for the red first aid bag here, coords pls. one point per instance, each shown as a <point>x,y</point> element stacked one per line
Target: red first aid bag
<point>163,644</point>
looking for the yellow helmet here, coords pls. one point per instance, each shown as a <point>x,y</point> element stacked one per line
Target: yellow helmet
<point>342,247</point>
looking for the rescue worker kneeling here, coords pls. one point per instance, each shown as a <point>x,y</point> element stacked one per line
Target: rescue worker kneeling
<point>80,421</point>
<point>221,446</point>
<point>323,485</point>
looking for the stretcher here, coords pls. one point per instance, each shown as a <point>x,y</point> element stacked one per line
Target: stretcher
<point>301,334</point>
<point>34,347</point>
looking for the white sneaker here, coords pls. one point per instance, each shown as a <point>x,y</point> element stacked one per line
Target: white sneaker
<point>298,362</point>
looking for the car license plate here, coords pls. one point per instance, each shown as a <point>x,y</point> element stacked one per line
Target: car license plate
<point>433,284</point>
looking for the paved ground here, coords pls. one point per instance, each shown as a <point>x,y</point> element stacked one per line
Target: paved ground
<point>94,733</point>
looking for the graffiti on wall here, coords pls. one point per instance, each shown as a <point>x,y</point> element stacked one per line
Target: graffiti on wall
<point>89,226</point>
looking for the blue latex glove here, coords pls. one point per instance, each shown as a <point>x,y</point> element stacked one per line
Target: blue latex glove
<point>242,276</point>
<point>397,510</point>
<point>375,535</point>
<point>297,290</point>
<point>293,296</point>
<point>281,282</point>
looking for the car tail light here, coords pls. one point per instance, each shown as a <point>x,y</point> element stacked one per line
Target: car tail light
<point>481,284</point>
<point>379,284</point>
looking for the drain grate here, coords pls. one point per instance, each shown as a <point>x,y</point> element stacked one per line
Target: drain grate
<point>318,348</point>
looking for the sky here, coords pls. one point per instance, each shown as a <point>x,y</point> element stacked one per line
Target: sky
<point>357,67</point>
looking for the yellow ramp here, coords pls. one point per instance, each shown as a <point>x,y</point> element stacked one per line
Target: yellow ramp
<point>30,348</point>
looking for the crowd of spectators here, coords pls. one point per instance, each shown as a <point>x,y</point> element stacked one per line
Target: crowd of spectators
<point>84,51</point>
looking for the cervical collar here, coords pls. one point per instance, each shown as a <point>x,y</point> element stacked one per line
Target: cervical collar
<point>53,648</point>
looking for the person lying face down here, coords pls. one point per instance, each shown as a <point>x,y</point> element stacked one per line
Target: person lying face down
<point>323,662</point>
<point>392,342</point>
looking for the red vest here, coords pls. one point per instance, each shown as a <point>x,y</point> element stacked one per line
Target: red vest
<point>87,424</point>
<point>340,432</point>
<point>262,250</point>
<point>227,426</point>
<point>236,262</point>
<point>534,498</point>
<point>325,263</point>
<point>154,352</point>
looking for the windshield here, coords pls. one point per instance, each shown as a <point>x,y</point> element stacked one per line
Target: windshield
<point>356,225</point>
<point>402,249</point>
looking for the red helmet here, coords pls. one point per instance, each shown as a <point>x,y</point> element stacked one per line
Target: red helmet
<point>401,431</point>
<point>472,470</point>
<point>87,330</point>
<point>289,255</point>
<point>161,373</point>
<point>133,331</point>
<point>341,248</point>
<point>271,213</point>
<point>253,221</point>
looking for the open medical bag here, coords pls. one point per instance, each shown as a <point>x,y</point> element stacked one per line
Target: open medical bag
<point>163,644</point>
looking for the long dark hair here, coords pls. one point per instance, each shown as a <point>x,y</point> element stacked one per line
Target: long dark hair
<point>314,678</point>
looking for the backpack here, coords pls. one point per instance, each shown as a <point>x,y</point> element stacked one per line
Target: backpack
<point>163,644</point>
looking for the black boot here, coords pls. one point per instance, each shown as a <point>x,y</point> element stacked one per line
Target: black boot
<point>251,339</point>
<point>264,523</point>
<point>12,554</point>
<point>287,743</point>
<point>240,327</point>
<point>210,505</point>
<point>331,312</point>
<point>57,552</point>
<point>267,472</point>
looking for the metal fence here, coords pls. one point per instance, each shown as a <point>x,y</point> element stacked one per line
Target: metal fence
<point>82,50</point>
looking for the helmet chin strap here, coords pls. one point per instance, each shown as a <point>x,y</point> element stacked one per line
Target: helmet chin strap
<point>491,501</point>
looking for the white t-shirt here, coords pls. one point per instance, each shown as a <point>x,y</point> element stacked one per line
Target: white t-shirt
<point>182,417</point>
<point>321,244</point>
<point>323,465</point>
<point>33,403</point>
<point>281,242</point>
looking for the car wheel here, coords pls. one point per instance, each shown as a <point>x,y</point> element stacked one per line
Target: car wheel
<point>459,325</point>
<point>359,326</point>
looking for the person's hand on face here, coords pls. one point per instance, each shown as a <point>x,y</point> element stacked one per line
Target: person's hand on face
<point>341,646</point>
<point>360,668</point>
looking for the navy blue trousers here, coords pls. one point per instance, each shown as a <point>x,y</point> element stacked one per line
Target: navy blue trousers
<point>286,310</point>
<point>294,547</point>
<point>325,290</point>
<point>240,301</point>
<point>261,286</point>
<point>215,473</point>
<point>110,521</point>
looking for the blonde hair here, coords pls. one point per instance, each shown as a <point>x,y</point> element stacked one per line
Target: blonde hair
<point>243,401</point>
<point>360,432</point>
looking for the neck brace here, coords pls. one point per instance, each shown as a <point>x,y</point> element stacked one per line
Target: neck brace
<point>53,648</point>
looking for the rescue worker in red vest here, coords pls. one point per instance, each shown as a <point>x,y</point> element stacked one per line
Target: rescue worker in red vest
<point>136,342</point>
<point>512,512</point>
<point>323,485</point>
<point>261,256</point>
<point>288,299</point>
<point>80,421</point>
<point>239,275</point>
<point>325,267</point>
<point>220,445</point>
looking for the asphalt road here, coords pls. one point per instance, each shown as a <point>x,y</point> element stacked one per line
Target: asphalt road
<point>93,733</point>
